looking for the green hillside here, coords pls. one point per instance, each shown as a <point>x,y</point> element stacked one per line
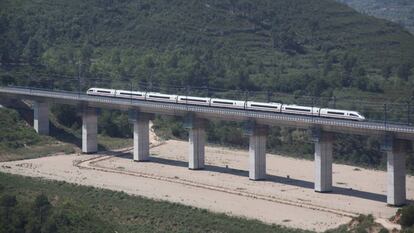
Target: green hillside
<point>18,140</point>
<point>294,48</point>
<point>14,134</point>
<point>311,47</point>
<point>399,11</point>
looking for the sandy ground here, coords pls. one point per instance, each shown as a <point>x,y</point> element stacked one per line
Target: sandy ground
<point>285,198</point>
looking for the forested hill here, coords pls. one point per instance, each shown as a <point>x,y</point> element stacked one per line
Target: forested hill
<point>298,46</point>
<point>399,11</point>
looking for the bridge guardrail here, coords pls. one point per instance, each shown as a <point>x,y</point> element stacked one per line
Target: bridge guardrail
<point>246,113</point>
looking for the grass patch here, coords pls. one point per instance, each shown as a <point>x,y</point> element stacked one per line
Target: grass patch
<point>360,224</point>
<point>74,137</point>
<point>36,152</point>
<point>111,143</point>
<point>19,141</point>
<point>120,212</point>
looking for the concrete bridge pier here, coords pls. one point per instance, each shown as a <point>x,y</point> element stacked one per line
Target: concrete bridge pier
<point>41,117</point>
<point>323,161</point>
<point>257,152</point>
<point>89,130</point>
<point>141,136</point>
<point>396,177</point>
<point>197,138</point>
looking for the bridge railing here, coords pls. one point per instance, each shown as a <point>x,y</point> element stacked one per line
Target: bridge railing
<point>401,112</point>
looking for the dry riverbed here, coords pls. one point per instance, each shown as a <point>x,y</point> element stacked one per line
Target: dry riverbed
<point>285,198</point>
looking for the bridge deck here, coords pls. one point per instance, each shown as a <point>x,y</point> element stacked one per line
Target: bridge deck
<point>277,119</point>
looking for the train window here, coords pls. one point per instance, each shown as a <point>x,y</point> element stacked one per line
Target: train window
<point>298,109</point>
<point>159,97</point>
<point>263,106</point>
<point>222,102</point>
<point>336,113</point>
<point>195,100</point>
<point>351,114</point>
<point>103,91</point>
<point>126,93</point>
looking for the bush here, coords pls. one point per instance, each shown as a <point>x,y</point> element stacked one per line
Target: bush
<point>39,215</point>
<point>407,216</point>
<point>67,115</point>
<point>13,131</point>
<point>8,201</point>
<point>114,124</point>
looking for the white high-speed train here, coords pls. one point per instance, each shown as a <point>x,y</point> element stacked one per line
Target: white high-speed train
<point>226,103</point>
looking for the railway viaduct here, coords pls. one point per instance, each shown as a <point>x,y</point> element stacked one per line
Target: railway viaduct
<point>397,138</point>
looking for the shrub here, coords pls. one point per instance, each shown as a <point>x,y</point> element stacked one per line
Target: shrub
<point>8,201</point>
<point>407,216</point>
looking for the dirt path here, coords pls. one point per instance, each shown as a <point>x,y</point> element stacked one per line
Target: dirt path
<point>98,165</point>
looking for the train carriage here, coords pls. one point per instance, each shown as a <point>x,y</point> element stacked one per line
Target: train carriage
<point>101,92</point>
<point>155,96</point>
<point>193,100</point>
<point>130,94</point>
<point>227,103</point>
<point>300,110</point>
<point>231,104</point>
<point>341,114</point>
<point>270,107</point>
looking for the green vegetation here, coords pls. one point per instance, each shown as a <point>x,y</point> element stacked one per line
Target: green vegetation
<point>360,224</point>
<point>293,49</point>
<point>18,140</point>
<point>35,205</point>
<point>356,150</point>
<point>407,218</point>
<point>14,134</point>
<point>300,46</point>
<point>114,130</point>
<point>288,48</point>
<point>399,11</point>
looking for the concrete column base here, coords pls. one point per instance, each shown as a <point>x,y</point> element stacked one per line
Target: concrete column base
<point>257,153</point>
<point>89,131</point>
<point>323,162</point>
<point>141,137</point>
<point>41,118</point>
<point>396,184</point>
<point>197,140</point>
